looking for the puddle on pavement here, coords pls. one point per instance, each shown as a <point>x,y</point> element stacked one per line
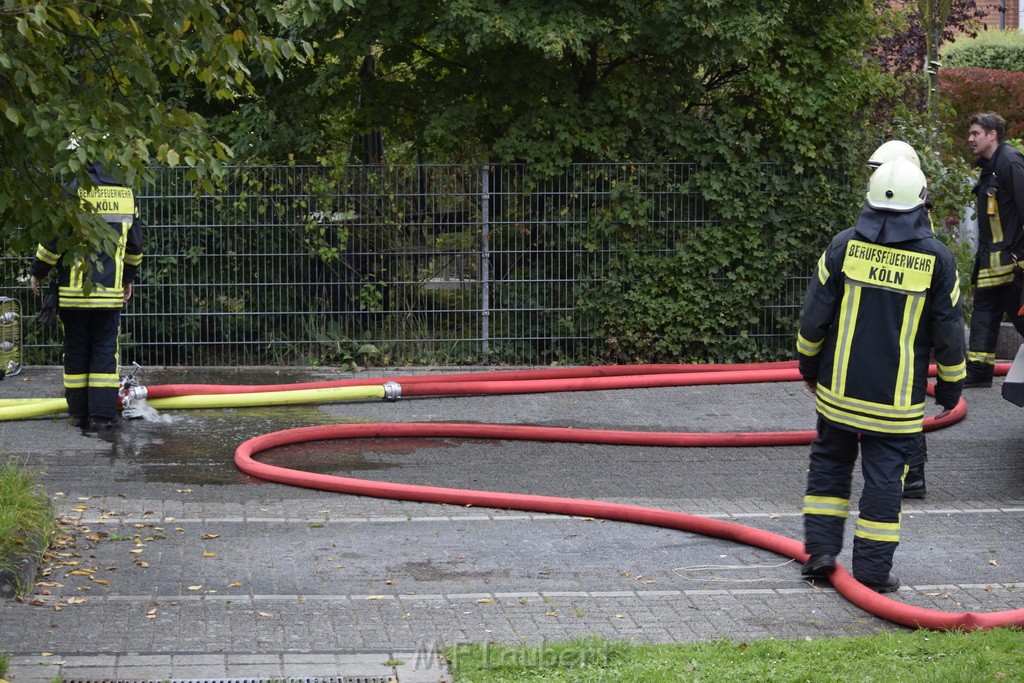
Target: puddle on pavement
<point>197,446</point>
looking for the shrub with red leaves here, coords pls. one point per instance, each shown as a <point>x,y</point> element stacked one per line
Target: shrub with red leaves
<point>969,91</point>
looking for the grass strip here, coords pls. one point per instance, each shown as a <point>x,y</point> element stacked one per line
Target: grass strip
<point>27,524</point>
<point>950,657</point>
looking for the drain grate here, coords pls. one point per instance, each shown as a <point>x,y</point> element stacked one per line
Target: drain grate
<point>332,679</point>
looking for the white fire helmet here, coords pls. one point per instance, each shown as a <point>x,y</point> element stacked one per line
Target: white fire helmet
<point>893,149</point>
<point>897,185</point>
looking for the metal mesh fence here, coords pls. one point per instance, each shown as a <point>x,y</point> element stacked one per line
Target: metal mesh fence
<point>426,264</point>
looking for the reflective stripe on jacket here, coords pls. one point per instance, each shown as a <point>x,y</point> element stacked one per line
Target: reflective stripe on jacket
<point>1000,210</point>
<point>871,316</point>
<point>109,273</point>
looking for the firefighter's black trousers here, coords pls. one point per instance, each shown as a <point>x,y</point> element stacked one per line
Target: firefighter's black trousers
<point>990,305</point>
<point>827,500</point>
<point>918,454</point>
<point>90,361</point>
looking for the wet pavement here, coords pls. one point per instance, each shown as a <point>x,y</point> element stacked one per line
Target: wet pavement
<point>175,565</point>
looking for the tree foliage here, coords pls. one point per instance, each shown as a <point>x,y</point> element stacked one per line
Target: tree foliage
<point>94,73</point>
<point>551,83</point>
<point>913,35</point>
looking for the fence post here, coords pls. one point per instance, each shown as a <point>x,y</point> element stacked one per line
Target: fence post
<point>485,260</point>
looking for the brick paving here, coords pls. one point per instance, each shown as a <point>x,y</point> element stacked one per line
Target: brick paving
<point>177,566</point>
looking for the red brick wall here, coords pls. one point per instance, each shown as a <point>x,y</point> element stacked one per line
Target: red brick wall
<point>992,7</point>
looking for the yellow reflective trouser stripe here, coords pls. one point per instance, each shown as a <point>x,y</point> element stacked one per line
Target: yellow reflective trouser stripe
<point>102,379</point>
<point>96,379</point>
<point>951,373</point>
<point>981,357</point>
<point>827,505</point>
<point>807,348</point>
<point>888,532</point>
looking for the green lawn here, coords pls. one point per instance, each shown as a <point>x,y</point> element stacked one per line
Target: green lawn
<point>993,655</point>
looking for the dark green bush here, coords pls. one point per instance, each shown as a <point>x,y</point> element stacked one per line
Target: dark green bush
<point>1003,50</point>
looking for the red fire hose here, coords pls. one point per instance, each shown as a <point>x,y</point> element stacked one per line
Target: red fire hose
<point>581,379</point>
<point>684,373</point>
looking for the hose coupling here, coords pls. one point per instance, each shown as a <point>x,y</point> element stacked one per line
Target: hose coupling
<point>392,391</point>
<point>138,393</point>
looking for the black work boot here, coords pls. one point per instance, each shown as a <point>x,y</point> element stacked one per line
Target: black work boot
<point>890,585</point>
<point>913,483</point>
<point>818,566</point>
<point>102,423</point>
<point>979,376</point>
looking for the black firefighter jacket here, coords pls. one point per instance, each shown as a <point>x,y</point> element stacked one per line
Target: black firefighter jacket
<point>1000,194</point>
<point>109,274</point>
<point>884,294</point>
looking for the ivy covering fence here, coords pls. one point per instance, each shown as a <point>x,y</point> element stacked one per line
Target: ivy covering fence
<point>445,264</point>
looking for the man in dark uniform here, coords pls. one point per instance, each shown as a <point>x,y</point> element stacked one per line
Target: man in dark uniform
<point>91,317</point>
<point>996,276</point>
<point>884,295</point>
<point>913,484</point>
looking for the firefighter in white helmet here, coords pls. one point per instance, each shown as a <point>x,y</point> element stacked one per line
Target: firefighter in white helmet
<point>914,483</point>
<point>884,296</point>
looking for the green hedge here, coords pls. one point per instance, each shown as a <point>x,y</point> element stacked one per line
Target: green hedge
<point>1003,50</point>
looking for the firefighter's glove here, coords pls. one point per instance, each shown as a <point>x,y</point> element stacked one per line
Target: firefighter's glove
<point>947,394</point>
<point>48,313</point>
